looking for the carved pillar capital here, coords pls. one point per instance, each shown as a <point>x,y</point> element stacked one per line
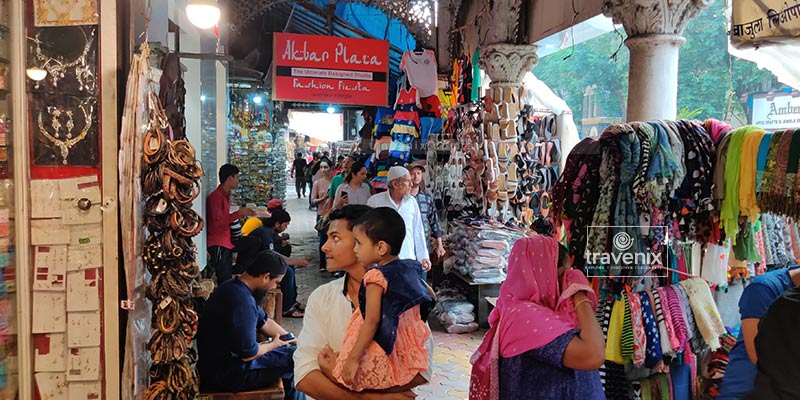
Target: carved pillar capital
<point>648,17</point>
<point>506,64</point>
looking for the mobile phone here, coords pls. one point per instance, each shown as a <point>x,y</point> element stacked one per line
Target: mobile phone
<point>288,338</point>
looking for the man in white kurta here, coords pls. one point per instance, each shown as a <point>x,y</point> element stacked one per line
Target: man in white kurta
<point>328,313</point>
<point>399,198</point>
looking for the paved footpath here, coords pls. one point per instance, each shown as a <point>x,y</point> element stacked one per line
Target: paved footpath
<point>451,354</point>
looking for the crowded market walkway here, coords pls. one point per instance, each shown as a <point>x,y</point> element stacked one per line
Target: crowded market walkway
<point>451,367</point>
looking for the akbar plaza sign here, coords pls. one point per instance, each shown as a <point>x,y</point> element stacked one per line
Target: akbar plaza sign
<point>332,70</point>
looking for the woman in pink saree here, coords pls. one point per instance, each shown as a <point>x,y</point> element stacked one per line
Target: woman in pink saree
<point>544,341</point>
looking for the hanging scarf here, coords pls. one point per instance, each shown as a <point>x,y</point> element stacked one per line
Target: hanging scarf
<point>626,217</point>
<point>747,174</point>
<point>653,349</point>
<point>530,312</point>
<point>572,167</point>
<point>597,238</point>
<point>719,170</point>
<point>647,141</point>
<point>661,321</point>
<point>786,202</point>
<point>637,325</point>
<point>763,151</point>
<point>779,177</point>
<point>693,335</point>
<point>729,215</point>
<point>672,337</point>
<point>614,334</point>
<point>627,329</point>
<point>765,194</point>
<point>705,311</point>
<point>677,153</point>
<point>676,315</point>
<point>716,129</point>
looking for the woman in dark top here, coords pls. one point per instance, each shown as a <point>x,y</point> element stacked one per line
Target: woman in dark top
<point>544,341</point>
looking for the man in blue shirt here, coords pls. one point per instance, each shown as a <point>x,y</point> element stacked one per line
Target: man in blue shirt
<point>270,234</point>
<point>754,303</point>
<point>230,358</point>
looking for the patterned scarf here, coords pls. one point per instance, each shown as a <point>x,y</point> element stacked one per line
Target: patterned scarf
<point>637,325</point>
<point>791,177</point>
<point>626,217</point>
<point>705,311</point>
<point>764,195</point>
<point>653,354</point>
<point>717,129</point>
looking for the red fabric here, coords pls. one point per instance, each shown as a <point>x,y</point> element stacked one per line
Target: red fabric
<point>408,97</point>
<point>432,104</point>
<point>219,218</point>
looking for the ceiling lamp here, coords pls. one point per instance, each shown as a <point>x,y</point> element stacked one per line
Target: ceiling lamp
<point>203,14</point>
<point>36,73</point>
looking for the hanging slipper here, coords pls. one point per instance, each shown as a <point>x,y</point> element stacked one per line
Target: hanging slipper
<point>545,204</point>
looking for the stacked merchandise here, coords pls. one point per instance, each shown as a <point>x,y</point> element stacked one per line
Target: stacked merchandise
<point>453,311</point>
<point>480,250</point>
<point>653,336</point>
<point>259,154</point>
<point>170,183</point>
<point>276,170</point>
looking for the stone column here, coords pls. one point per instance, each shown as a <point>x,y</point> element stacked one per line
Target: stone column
<point>654,29</point>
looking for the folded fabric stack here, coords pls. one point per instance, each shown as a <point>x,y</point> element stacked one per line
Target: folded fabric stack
<point>480,252</point>
<point>453,311</point>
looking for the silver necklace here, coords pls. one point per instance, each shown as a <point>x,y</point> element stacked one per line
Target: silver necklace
<point>57,68</point>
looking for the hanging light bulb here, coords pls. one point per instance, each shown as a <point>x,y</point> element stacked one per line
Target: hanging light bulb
<point>331,110</point>
<point>257,99</point>
<point>36,73</point>
<point>203,14</point>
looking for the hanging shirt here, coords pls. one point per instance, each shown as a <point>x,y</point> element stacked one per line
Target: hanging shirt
<point>421,71</point>
<point>476,75</point>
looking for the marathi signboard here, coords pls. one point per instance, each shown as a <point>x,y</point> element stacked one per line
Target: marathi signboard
<point>327,69</point>
<point>758,22</point>
<point>781,112</point>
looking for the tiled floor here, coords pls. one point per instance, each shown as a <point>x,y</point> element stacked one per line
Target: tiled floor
<point>451,355</point>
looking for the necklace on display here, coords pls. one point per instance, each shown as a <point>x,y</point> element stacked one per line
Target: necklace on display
<point>57,68</point>
<point>64,145</point>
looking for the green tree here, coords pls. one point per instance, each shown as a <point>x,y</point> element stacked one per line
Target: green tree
<point>710,81</point>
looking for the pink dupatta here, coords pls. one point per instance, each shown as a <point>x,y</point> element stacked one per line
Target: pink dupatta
<point>529,313</point>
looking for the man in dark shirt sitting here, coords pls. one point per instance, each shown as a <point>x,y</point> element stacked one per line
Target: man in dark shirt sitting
<point>270,234</point>
<point>230,358</point>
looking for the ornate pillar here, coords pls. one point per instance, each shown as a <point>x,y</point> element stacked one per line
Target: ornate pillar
<point>654,29</point>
